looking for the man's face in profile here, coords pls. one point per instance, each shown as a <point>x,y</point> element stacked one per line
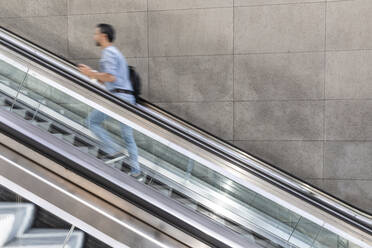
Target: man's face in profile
<point>98,36</point>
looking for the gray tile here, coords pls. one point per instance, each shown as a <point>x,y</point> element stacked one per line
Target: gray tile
<point>107,6</point>
<point>269,2</point>
<point>279,120</point>
<point>348,120</point>
<point>355,192</point>
<point>187,4</point>
<point>303,159</point>
<point>279,76</point>
<point>280,28</point>
<point>348,25</point>
<point>348,160</point>
<point>316,183</point>
<point>131,34</point>
<point>191,32</point>
<point>25,8</point>
<point>48,32</point>
<point>93,63</point>
<point>214,117</point>
<point>349,75</point>
<point>176,79</point>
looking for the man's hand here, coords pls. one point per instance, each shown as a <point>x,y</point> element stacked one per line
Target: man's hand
<point>100,76</point>
<point>86,70</point>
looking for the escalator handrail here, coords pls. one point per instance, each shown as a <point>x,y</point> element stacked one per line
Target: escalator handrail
<point>193,134</point>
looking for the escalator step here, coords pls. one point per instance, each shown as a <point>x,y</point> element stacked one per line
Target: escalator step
<point>15,218</point>
<point>94,151</point>
<point>47,238</point>
<point>5,107</point>
<point>42,125</point>
<point>70,138</point>
<point>58,135</point>
<point>2,101</point>
<point>21,112</point>
<point>84,149</point>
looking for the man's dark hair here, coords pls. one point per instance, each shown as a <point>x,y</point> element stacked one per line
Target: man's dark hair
<point>108,30</point>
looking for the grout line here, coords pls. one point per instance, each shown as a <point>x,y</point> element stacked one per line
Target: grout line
<point>347,179</point>
<point>233,68</point>
<point>176,9</point>
<point>165,10</point>
<point>244,6</point>
<point>227,54</point>
<point>242,54</point>
<point>188,9</point>
<point>148,52</point>
<point>288,4</point>
<point>324,86</point>
<point>68,29</point>
<point>266,100</point>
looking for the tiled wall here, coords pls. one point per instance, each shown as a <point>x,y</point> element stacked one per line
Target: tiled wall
<point>287,80</point>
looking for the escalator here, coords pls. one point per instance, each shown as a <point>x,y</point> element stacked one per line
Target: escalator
<point>195,190</point>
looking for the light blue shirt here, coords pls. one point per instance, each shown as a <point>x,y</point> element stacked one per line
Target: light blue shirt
<point>114,63</point>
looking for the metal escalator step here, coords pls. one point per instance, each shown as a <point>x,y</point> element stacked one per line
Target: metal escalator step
<point>58,135</point>
<point>82,144</point>
<point>7,228</point>
<point>15,219</point>
<point>46,240</point>
<point>9,104</point>
<point>6,107</point>
<point>94,151</point>
<point>2,100</point>
<point>21,112</point>
<point>84,149</point>
<point>43,125</point>
<point>70,138</point>
<point>41,236</point>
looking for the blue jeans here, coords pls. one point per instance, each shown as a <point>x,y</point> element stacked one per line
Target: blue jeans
<point>94,122</point>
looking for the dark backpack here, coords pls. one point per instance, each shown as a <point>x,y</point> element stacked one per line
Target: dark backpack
<point>135,79</point>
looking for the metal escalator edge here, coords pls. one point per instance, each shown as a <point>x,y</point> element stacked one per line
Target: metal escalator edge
<point>198,230</point>
<point>77,206</point>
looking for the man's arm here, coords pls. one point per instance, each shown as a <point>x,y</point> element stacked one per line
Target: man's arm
<point>100,76</point>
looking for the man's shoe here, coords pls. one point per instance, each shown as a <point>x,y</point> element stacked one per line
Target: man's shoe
<point>136,174</point>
